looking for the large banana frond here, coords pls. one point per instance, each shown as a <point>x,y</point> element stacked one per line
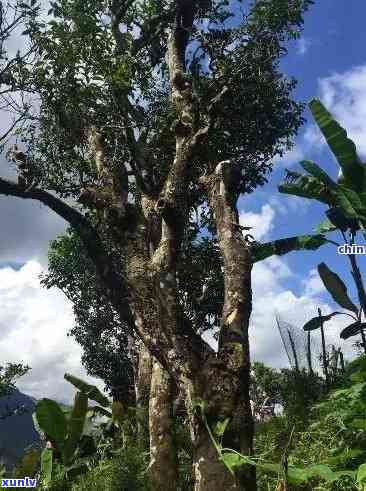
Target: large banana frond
<point>314,170</point>
<point>343,148</point>
<point>336,288</point>
<point>306,187</point>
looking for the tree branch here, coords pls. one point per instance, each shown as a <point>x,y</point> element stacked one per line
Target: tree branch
<point>116,288</point>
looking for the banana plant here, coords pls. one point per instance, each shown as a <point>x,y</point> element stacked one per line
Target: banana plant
<point>345,199</point>
<point>338,291</point>
<point>69,446</point>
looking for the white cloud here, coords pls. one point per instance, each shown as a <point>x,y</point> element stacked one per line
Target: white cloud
<point>272,297</point>
<point>284,204</point>
<point>292,157</point>
<point>313,285</point>
<point>262,222</point>
<point>33,323</point>
<point>344,95</point>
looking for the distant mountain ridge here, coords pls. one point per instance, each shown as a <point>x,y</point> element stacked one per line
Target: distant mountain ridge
<point>17,431</point>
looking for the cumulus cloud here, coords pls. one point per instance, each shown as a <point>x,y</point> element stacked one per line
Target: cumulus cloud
<point>292,157</point>
<point>344,94</point>
<point>313,285</point>
<point>272,284</point>
<point>272,297</point>
<point>34,323</point>
<point>262,222</point>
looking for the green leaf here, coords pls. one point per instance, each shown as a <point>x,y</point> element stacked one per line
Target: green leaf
<point>220,427</point>
<point>359,424</point>
<point>308,187</point>
<point>352,330</point>
<point>355,200</point>
<point>46,465</point>
<point>336,288</point>
<point>342,147</point>
<point>95,410</point>
<point>325,226</point>
<point>75,425</point>
<point>342,200</point>
<point>316,322</point>
<point>269,467</point>
<point>297,475</point>
<point>361,474</point>
<point>233,460</point>
<point>311,242</point>
<point>317,172</point>
<point>91,391</point>
<point>52,421</point>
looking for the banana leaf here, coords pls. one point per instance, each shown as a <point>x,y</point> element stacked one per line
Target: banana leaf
<point>325,226</point>
<point>316,322</point>
<point>75,425</point>
<point>52,421</point>
<point>352,330</point>
<point>339,219</point>
<point>91,391</point>
<point>306,187</point>
<point>97,410</point>
<point>341,197</point>
<point>336,288</point>
<point>46,465</point>
<point>343,148</point>
<point>313,169</point>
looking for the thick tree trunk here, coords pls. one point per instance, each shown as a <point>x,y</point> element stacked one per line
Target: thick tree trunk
<point>224,381</point>
<point>142,388</point>
<point>143,377</point>
<point>163,453</point>
<point>209,473</point>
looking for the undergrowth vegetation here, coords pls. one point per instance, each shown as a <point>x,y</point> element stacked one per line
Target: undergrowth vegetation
<point>321,448</point>
<point>333,435</point>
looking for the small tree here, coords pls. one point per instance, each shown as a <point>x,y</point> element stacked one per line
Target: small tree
<point>8,376</point>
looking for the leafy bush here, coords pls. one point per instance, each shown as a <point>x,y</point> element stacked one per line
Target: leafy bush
<point>126,471</point>
<point>336,437</point>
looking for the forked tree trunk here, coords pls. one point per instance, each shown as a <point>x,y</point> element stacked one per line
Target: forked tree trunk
<point>163,454</point>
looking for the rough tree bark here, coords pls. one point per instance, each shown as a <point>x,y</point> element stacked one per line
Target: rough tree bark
<point>142,386</point>
<point>225,377</point>
<point>163,452</point>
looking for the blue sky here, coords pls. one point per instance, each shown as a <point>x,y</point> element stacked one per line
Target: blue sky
<point>329,62</point>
